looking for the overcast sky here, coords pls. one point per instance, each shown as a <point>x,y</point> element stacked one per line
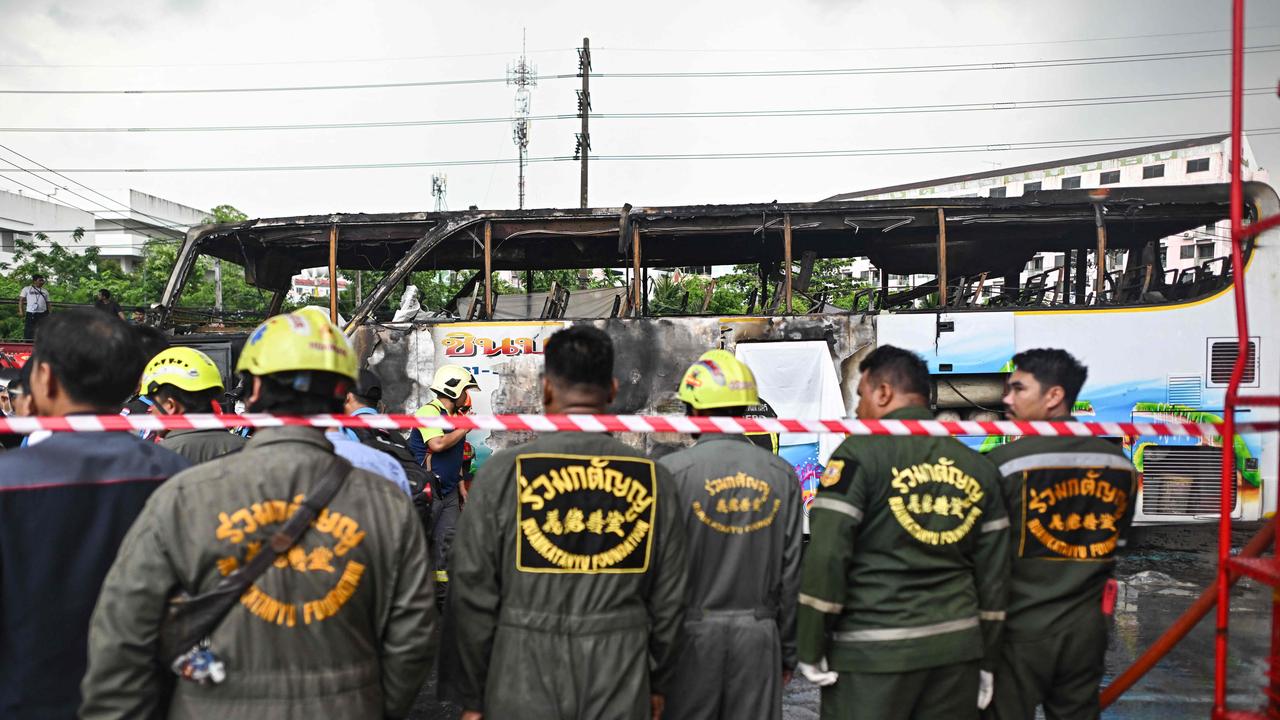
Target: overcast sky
<point>108,45</point>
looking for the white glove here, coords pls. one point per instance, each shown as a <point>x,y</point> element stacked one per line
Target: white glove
<point>986,688</point>
<point>818,674</point>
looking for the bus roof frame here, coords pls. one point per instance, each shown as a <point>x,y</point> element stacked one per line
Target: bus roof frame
<point>993,235</point>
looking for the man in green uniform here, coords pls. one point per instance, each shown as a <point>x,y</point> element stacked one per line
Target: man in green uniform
<point>904,582</point>
<point>568,567</point>
<point>1072,499</point>
<point>443,454</point>
<point>742,508</point>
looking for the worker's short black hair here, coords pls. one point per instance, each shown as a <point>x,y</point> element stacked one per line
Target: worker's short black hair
<point>152,340</point>
<point>368,389</point>
<point>280,396</point>
<point>580,355</point>
<point>1053,366</point>
<point>198,401</point>
<point>21,384</point>
<point>904,370</point>
<point>104,293</point>
<point>96,357</point>
<point>36,277</point>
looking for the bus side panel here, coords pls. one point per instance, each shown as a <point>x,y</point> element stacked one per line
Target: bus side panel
<point>1157,364</point>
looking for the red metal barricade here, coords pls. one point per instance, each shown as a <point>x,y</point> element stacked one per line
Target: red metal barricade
<point>1262,569</point>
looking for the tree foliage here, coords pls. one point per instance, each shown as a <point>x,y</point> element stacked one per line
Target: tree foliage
<point>76,271</point>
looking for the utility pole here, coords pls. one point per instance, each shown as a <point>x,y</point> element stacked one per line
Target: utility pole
<point>583,146</point>
<point>524,76</point>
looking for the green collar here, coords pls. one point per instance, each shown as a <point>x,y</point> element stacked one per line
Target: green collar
<point>713,437</point>
<point>276,435</point>
<point>914,412</point>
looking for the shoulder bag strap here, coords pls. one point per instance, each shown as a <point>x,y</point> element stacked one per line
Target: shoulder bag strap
<point>293,529</point>
<point>190,619</point>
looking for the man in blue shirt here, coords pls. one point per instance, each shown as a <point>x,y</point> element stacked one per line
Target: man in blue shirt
<point>65,505</point>
<point>365,399</point>
<point>375,461</point>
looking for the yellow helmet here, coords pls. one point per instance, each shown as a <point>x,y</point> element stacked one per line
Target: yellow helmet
<point>452,380</point>
<point>303,340</point>
<point>719,380</point>
<point>182,367</point>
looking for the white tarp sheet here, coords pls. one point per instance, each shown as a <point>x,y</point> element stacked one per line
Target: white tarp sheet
<point>798,380</point>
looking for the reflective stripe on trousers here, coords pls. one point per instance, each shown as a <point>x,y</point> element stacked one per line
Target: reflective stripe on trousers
<point>905,633</point>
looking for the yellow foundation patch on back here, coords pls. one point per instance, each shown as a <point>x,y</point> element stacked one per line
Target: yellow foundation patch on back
<point>584,514</point>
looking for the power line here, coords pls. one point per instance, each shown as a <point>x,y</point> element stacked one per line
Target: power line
<point>928,150</point>
<point>879,48</point>
<point>956,107</point>
<point>281,88</point>
<point>810,112</point>
<point>127,209</point>
<point>302,126</point>
<point>801,72</point>
<point>51,197</point>
<point>63,201</point>
<point>55,200</point>
<point>743,50</point>
<point>955,67</point>
<point>263,63</point>
<point>867,152</point>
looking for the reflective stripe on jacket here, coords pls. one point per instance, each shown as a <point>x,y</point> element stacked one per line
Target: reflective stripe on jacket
<point>908,560</point>
<point>1074,498</point>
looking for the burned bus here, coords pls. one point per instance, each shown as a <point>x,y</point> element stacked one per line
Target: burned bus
<point>952,279</point>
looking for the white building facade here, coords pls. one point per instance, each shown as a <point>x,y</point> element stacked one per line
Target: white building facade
<point>120,234</point>
<point>1197,161</point>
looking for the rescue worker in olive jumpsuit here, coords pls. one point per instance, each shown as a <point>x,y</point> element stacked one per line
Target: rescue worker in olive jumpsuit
<point>903,588</point>
<point>742,510</point>
<point>568,569</point>
<point>442,453</point>
<point>1072,499</point>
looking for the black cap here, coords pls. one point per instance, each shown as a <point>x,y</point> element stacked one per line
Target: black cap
<point>369,386</point>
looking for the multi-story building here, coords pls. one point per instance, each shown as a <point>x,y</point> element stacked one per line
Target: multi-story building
<point>1196,161</point>
<point>23,218</point>
<point>119,234</point>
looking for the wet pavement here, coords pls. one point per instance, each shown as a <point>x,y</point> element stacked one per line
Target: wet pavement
<point>1159,579</point>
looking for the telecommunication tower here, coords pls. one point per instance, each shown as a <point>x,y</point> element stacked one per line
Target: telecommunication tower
<point>440,186</point>
<point>523,76</point>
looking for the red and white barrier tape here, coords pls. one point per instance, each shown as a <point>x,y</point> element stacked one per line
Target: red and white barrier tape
<point>619,423</point>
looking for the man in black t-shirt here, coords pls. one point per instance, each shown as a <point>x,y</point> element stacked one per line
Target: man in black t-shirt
<point>107,304</point>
